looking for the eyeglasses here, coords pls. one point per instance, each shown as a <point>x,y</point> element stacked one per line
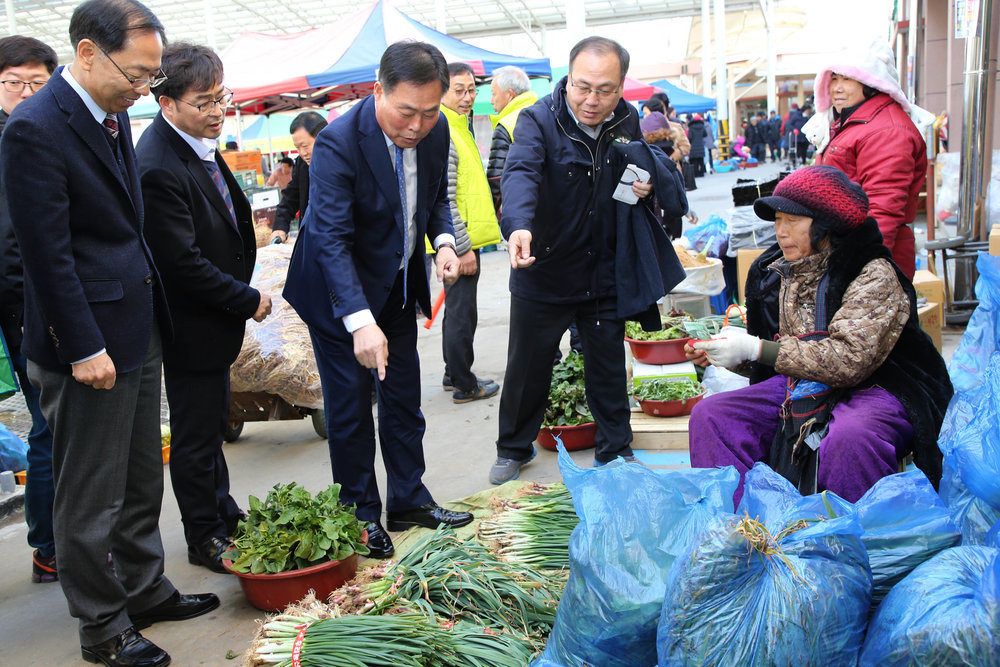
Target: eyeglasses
<point>462,93</point>
<point>137,83</point>
<point>206,108</point>
<point>586,91</point>
<point>16,86</point>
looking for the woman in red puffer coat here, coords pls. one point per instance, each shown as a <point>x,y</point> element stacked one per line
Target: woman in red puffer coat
<point>865,127</point>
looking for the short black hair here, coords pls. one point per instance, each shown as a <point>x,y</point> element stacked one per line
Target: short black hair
<point>18,50</point>
<point>286,160</point>
<point>108,23</point>
<point>189,67</point>
<point>658,102</point>
<point>310,121</point>
<point>417,63</point>
<point>601,46</point>
<point>456,69</point>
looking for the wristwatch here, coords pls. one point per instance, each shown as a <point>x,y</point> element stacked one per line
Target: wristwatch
<point>446,244</point>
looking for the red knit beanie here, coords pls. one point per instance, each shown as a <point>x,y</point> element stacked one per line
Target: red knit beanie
<point>820,192</point>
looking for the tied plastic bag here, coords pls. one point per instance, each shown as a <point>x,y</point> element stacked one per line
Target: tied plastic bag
<point>904,521</point>
<point>746,230</point>
<point>277,355</point>
<point>714,233</point>
<point>634,521</point>
<point>970,434</point>
<point>746,595</point>
<point>972,515</point>
<point>947,612</point>
<point>13,451</point>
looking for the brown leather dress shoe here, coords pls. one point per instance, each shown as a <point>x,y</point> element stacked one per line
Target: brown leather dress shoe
<point>177,607</point>
<point>430,515</point>
<point>129,649</point>
<point>209,554</point>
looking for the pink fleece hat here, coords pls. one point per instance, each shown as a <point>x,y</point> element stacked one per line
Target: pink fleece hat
<point>874,67</point>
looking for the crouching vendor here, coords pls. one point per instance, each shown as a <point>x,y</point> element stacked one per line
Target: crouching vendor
<point>843,382</point>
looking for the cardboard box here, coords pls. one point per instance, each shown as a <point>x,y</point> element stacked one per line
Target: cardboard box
<point>744,258</point>
<point>995,240</point>
<point>682,371</point>
<point>928,286</point>
<point>264,216</point>
<point>931,320</point>
<point>240,160</point>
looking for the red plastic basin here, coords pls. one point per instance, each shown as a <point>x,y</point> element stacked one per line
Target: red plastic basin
<point>658,352</point>
<point>573,437</point>
<point>670,408</point>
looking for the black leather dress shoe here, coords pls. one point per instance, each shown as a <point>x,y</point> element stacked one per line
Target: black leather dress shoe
<point>379,543</point>
<point>178,607</point>
<point>430,515</point>
<point>209,554</point>
<point>129,649</point>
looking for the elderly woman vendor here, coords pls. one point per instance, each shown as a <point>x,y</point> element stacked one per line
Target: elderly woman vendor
<point>844,384</point>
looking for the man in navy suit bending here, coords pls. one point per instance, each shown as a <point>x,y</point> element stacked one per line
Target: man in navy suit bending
<point>378,185</point>
<point>94,309</point>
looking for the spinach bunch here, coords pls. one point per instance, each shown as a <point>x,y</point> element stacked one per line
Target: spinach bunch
<point>664,389</point>
<point>567,404</point>
<point>291,530</point>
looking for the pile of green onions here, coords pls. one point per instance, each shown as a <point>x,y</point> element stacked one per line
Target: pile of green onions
<point>408,639</point>
<point>461,580</point>
<point>534,528</point>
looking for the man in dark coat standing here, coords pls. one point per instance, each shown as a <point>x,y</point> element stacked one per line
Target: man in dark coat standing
<point>200,230</point>
<point>559,219</point>
<point>93,314</point>
<point>295,197</point>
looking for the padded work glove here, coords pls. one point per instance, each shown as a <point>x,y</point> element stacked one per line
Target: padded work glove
<point>730,348</point>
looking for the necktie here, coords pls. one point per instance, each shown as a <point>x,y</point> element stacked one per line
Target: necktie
<point>111,125</point>
<point>401,184</point>
<point>216,173</point>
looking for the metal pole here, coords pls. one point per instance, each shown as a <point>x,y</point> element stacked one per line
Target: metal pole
<point>441,16</point>
<point>706,48</point>
<point>722,104</point>
<point>772,57</point>
<point>576,20</point>
<point>916,18</point>
<point>209,25</point>
<point>11,18</point>
<point>977,130</point>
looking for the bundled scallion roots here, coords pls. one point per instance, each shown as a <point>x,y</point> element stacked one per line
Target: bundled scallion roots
<point>533,529</point>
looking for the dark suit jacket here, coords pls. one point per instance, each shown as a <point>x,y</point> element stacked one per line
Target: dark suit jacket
<point>294,198</point>
<point>351,242</point>
<point>11,273</point>
<point>90,281</point>
<point>206,259</point>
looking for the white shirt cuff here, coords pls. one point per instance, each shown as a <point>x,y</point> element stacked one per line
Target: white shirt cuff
<point>355,321</point>
<point>93,356</point>
<point>443,238</point>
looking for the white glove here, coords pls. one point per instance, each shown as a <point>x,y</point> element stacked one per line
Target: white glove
<point>731,348</point>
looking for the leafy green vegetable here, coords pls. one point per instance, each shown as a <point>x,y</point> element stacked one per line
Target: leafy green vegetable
<point>664,389</point>
<point>567,404</point>
<point>291,530</point>
<point>673,328</point>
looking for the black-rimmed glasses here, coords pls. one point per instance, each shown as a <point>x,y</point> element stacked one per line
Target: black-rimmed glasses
<point>586,91</point>
<point>206,108</point>
<point>17,86</point>
<point>136,82</point>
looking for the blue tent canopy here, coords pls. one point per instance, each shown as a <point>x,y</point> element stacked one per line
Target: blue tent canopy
<point>684,102</point>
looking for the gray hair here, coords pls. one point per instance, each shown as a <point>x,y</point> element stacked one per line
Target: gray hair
<point>512,78</point>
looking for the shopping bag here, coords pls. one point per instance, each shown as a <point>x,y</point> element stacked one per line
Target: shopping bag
<point>8,380</point>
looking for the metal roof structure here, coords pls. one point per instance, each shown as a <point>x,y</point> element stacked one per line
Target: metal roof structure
<point>218,22</point>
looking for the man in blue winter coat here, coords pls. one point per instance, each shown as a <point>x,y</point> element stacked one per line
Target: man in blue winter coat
<point>560,223</point>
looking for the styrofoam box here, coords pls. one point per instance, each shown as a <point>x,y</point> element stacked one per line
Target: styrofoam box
<point>682,371</point>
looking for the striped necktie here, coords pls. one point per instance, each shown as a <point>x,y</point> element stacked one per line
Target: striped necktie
<point>401,183</point>
<point>111,125</point>
<point>216,173</point>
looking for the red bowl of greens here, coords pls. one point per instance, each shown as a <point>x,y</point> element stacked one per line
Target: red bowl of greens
<point>664,397</point>
<point>658,347</point>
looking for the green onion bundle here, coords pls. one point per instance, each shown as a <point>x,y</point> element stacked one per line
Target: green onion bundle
<point>462,580</point>
<point>534,528</point>
<point>408,639</point>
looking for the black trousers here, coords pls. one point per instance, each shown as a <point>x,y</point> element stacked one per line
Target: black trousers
<point>458,329</point>
<point>535,331</point>
<point>199,412</point>
<point>350,429</point>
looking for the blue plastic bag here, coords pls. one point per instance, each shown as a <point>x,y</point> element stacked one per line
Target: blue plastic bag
<point>972,515</point>
<point>13,451</point>
<point>802,600</point>
<point>634,521</point>
<point>947,612</point>
<point>970,434</point>
<point>714,232</point>
<point>904,521</point>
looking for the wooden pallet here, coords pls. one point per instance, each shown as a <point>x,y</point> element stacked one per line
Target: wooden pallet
<point>653,433</point>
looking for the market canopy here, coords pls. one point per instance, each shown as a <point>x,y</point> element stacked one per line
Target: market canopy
<point>339,62</point>
<point>683,101</point>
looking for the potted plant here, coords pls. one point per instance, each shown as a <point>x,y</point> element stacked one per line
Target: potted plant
<point>664,397</point>
<point>293,542</point>
<point>566,413</point>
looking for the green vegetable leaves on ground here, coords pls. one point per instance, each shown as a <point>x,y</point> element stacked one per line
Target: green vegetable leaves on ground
<point>567,404</point>
<point>664,389</point>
